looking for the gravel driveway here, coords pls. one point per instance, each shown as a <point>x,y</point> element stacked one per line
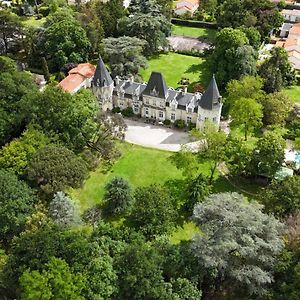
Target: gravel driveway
<point>184,43</point>
<point>152,136</point>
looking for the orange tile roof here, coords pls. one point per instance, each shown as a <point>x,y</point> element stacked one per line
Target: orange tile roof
<point>77,76</point>
<point>295,29</point>
<point>87,70</point>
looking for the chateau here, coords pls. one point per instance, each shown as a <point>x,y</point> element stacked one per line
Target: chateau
<point>155,99</point>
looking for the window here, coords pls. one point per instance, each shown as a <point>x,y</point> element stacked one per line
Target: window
<point>121,104</point>
<point>199,118</point>
<point>173,107</point>
<point>160,114</point>
<point>190,110</point>
<point>172,117</point>
<point>161,104</point>
<point>206,118</point>
<point>215,120</point>
<point>136,108</point>
<point>147,101</point>
<point>146,112</point>
<point>189,119</point>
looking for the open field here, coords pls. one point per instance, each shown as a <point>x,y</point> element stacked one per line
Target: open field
<point>203,33</point>
<point>174,66</point>
<point>293,92</point>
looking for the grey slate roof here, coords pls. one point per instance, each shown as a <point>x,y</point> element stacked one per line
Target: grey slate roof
<point>211,96</point>
<point>156,86</point>
<point>102,77</point>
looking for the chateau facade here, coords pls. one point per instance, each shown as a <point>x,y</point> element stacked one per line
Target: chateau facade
<point>156,100</point>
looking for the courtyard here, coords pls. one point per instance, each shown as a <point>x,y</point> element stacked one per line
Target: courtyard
<point>159,137</point>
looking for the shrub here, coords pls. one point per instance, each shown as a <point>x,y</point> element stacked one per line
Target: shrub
<point>167,122</point>
<point>127,112</point>
<point>179,124</point>
<point>116,110</point>
<point>191,126</point>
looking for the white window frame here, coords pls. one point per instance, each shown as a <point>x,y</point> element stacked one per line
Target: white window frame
<point>189,119</point>
<point>160,114</point>
<point>173,116</point>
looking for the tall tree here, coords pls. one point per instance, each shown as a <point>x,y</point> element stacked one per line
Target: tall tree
<point>153,212</point>
<point>65,41</point>
<point>248,113</point>
<point>55,281</point>
<point>16,204</point>
<point>118,196</point>
<point>282,198</point>
<point>277,71</point>
<point>276,108</point>
<point>125,55</point>
<point>268,154</point>
<point>232,57</point>
<point>60,114</point>
<point>54,168</point>
<point>238,244</point>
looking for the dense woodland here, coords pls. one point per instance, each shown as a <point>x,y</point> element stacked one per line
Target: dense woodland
<point>246,246</point>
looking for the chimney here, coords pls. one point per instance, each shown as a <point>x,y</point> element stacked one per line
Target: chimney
<point>131,78</point>
<point>184,89</point>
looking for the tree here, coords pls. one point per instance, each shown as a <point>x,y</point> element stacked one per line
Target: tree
<point>62,115</point>
<point>239,244</point>
<point>198,189</point>
<point>16,155</point>
<point>118,196</point>
<point>56,281</point>
<point>109,13</point>
<point>63,211</point>
<point>14,86</point>
<point>253,36</point>
<point>183,289</point>
<point>282,198</point>
<point>212,148</point>
<point>139,273</point>
<point>268,154</point>
<point>125,55</point>
<point>45,69</point>
<point>153,212</point>
<point>276,108</point>
<point>54,168</point>
<point>108,128</point>
<point>16,204</point>
<point>65,41</point>
<point>247,113</point>
<point>277,71</point>
<point>10,28</point>
<point>233,57</point>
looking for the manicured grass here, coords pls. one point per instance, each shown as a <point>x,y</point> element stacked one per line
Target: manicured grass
<point>174,66</point>
<point>203,33</point>
<point>33,22</point>
<point>293,92</point>
<point>140,166</point>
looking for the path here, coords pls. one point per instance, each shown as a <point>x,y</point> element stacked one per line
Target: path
<point>185,43</point>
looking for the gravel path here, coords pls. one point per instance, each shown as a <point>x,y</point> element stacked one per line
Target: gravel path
<point>152,136</point>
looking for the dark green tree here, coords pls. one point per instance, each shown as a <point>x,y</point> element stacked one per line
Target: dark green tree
<point>65,41</point>
<point>125,55</point>
<point>153,212</point>
<point>118,197</point>
<point>60,114</point>
<point>54,168</point>
<point>282,198</point>
<point>277,71</point>
<point>16,204</point>
<point>268,154</point>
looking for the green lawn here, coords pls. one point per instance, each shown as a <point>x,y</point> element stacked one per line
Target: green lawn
<point>203,33</point>
<point>293,92</point>
<point>140,166</point>
<point>174,66</point>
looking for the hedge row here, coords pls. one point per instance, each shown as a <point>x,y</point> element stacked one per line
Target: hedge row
<point>193,23</point>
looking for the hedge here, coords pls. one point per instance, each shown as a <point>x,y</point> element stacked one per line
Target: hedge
<point>193,23</point>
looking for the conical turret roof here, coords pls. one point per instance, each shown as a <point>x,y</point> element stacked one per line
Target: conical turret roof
<point>102,77</point>
<point>211,95</point>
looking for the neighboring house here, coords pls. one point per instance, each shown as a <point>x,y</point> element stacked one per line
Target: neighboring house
<point>155,100</point>
<point>285,29</point>
<point>186,6</point>
<point>79,77</point>
<point>291,15</point>
<point>294,32</point>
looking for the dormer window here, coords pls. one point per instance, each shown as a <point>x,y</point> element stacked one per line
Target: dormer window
<point>189,110</point>
<point>154,92</point>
